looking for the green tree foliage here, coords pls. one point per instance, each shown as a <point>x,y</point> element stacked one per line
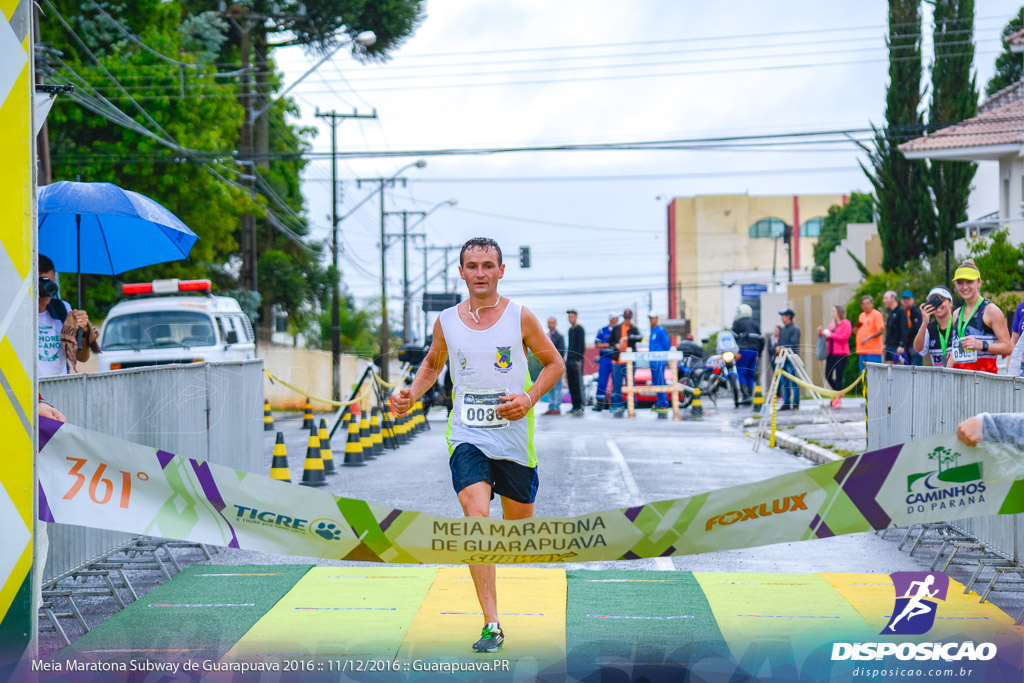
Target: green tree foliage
<point>89,147</point>
<point>906,218</point>
<point>918,276</point>
<point>1008,64</point>
<point>859,208</point>
<point>954,98</point>
<point>358,328</point>
<point>1000,262</point>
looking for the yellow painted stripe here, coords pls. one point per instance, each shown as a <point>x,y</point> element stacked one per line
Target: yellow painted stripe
<point>873,596</point>
<point>531,606</point>
<point>339,613</point>
<point>803,610</point>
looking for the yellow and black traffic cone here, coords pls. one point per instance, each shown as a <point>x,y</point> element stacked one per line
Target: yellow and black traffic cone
<point>403,429</point>
<point>307,416</point>
<point>353,448</point>
<point>389,434</point>
<point>696,407</point>
<point>421,416</point>
<point>279,465</point>
<point>376,438</point>
<point>268,418</point>
<point>758,399</point>
<point>414,419</point>
<point>313,470</point>
<point>364,436</point>
<point>326,453</point>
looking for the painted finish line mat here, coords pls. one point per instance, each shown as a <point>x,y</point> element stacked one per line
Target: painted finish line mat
<point>552,618</point>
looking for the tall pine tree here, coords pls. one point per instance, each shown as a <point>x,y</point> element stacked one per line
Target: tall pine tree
<point>1009,69</point>
<point>905,214</point>
<point>954,98</point>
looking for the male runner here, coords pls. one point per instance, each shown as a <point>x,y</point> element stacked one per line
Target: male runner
<point>490,445</point>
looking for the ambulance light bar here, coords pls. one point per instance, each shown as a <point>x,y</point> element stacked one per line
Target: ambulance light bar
<point>167,287</point>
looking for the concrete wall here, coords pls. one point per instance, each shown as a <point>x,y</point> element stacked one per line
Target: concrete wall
<point>813,304</point>
<point>712,235</point>
<point>862,241</point>
<point>309,369</point>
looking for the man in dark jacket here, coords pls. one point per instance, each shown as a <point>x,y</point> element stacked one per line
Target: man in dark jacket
<point>554,397</point>
<point>624,336</point>
<point>750,341</point>
<point>912,318</point>
<point>895,327</point>
<point>574,362</point>
<point>789,338</point>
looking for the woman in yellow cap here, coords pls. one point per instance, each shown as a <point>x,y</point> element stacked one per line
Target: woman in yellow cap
<point>979,329</point>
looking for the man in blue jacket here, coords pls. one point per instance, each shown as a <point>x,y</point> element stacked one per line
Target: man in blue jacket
<point>658,341</point>
<point>604,365</point>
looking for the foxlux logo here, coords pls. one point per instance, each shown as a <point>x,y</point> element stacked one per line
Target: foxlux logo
<point>917,599</point>
<point>776,507</point>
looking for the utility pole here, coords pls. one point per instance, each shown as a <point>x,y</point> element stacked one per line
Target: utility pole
<point>384,343</point>
<point>404,236</point>
<point>333,116</point>
<point>240,15</point>
<point>384,183</point>
<point>444,269</point>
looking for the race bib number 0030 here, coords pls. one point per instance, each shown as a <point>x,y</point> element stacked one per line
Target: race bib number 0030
<point>479,410</point>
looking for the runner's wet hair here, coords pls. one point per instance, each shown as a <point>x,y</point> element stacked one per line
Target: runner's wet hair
<point>479,243</point>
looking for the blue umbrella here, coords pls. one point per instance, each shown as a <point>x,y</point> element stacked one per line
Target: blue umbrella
<point>102,229</point>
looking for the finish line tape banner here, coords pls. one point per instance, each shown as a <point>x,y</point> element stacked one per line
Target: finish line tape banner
<point>95,480</point>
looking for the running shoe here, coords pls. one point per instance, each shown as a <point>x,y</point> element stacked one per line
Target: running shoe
<point>491,640</point>
<point>659,411</point>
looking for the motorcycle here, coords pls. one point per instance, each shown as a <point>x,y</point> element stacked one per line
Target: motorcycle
<point>690,370</point>
<point>721,368</point>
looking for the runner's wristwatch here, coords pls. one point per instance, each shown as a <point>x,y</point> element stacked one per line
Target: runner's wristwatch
<point>984,346</point>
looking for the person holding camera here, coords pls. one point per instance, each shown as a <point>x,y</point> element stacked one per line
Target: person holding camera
<point>934,336</point>
<point>57,325</point>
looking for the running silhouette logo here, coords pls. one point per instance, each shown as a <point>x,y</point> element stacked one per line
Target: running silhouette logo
<point>917,596</point>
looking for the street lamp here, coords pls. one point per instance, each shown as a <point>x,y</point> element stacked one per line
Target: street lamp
<point>366,39</point>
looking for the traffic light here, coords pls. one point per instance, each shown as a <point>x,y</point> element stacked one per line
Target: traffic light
<point>787,234</point>
<point>524,257</point>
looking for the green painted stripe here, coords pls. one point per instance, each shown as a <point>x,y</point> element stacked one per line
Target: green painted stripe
<point>206,631</point>
<point>660,621</point>
<point>15,629</point>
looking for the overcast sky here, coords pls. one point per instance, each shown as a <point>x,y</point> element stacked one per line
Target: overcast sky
<point>512,73</point>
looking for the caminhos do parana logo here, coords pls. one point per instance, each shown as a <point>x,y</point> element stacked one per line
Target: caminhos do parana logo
<point>504,360</point>
<point>951,485</point>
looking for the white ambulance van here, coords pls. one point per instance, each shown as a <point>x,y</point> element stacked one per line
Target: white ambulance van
<point>189,327</point>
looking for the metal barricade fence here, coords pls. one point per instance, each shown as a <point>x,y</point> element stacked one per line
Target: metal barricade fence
<point>207,411</point>
<point>907,403</point>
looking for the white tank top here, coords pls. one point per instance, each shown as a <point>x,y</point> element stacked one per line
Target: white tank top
<point>484,365</point>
